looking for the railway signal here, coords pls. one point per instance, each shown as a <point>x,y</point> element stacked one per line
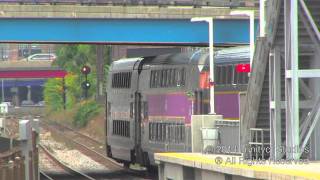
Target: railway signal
<point>85,70</point>
<point>85,85</point>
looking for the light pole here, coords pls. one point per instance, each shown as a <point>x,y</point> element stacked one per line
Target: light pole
<point>209,20</point>
<point>262,18</point>
<point>249,13</point>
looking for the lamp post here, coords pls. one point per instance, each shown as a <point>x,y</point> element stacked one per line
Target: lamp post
<point>209,20</point>
<point>249,13</point>
<point>262,18</point>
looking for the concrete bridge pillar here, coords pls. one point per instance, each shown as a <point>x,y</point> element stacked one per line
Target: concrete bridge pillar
<point>15,96</point>
<point>29,94</point>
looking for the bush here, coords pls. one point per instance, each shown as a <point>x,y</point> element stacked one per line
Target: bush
<point>85,112</point>
<point>53,94</point>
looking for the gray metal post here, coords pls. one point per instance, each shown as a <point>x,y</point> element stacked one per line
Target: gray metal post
<point>294,80</point>
<point>36,130</point>
<point>292,83</point>
<point>25,138</point>
<point>275,104</point>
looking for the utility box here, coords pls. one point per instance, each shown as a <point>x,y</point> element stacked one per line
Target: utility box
<point>202,124</point>
<point>3,108</point>
<point>1,123</point>
<point>229,136</point>
<point>210,138</point>
<point>24,129</point>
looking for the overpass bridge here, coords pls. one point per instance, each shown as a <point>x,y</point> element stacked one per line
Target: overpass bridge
<point>23,80</point>
<point>120,24</point>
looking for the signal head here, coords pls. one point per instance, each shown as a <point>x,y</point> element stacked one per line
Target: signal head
<point>85,70</point>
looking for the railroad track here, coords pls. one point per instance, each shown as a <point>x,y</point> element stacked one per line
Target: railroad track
<point>69,172</point>
<point>85,144</point>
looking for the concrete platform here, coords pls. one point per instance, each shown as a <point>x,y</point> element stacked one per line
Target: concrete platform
<point>203,166</point>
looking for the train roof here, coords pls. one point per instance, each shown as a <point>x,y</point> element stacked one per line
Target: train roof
<point>124,64</point>
<point>227,55</point>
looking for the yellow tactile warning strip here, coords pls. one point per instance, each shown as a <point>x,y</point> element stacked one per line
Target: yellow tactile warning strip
<point>303,169</point>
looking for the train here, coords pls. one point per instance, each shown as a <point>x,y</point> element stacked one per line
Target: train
<point>222,3</point>
<point>150,100</point>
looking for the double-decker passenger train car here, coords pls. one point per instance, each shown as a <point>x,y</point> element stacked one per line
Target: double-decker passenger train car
<point>150,100</point>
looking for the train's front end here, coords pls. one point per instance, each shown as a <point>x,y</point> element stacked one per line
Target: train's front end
<point>120,110</point>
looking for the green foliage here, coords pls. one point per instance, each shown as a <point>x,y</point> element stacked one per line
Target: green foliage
<point>53,94</point>
<point>71,58</point>
<point>85,112</point>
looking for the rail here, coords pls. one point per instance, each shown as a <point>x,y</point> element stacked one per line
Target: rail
<point>64,166</point>
<point>79,140</point>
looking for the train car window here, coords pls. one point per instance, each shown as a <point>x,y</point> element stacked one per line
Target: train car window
<point>236,76</point>
<point>173,80</point>
<point>183,77</point>
<point>159,132</point>
<point>178,78</point>
<point>158,82</point>
<point>228,74</point>
<point>126,80</point>
<point>168,78</point>
<point>121,128</point>
<point>155,131</point>
<point>154,80</point>
<point>121,80</point>
<point>151,79</point>
<point>167,133</point>
<point>217,74</point>
<point>129,80</point>
<point>164,78</point>
<point>223,75</point>
<point>163,132</point>
<point>233,82</point>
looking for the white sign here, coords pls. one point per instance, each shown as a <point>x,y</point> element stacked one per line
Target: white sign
<point>3,108</point>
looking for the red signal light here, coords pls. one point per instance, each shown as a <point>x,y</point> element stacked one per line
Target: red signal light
<point>85,70</point>
<point>243,68</point>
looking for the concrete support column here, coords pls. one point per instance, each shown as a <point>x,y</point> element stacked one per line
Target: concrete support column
<point>29,94</point>
<point>100,73</point>
<point>15,96</point>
